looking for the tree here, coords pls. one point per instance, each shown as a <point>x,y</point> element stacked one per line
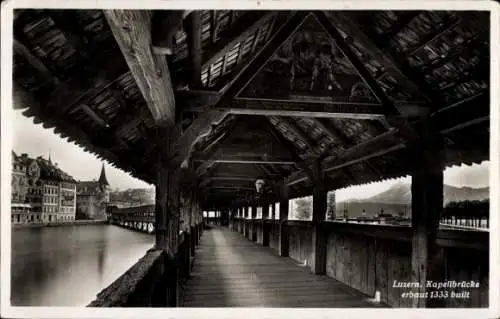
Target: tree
<point>303,210</point>
<point>330,206</point>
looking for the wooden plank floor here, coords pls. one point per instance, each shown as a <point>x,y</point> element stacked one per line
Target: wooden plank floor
<point>231,271</point>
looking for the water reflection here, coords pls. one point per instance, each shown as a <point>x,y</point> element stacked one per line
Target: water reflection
<point>68,266</point>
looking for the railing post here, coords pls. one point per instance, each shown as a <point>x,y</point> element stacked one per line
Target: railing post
<point>253,232</point>
<point>193,240</point>
<point>318,262</point>
<point>427,205</point>
<point>283,237</point>
<point>265,225</point>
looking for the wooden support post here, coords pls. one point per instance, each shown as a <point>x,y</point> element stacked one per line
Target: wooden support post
<point>427,205</point>
<point>192,223</point>
<point>253,231</point>
<point>318,262</point>
<point>244,224</point>
<point>167,213</point>
<point>283,238</point>
<point>265,225</point>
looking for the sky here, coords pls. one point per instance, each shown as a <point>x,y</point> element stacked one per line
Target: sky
<point>476,175</point>
<point>35,140</point>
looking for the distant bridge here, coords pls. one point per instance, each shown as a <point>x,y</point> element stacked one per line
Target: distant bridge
<point>141,218</point>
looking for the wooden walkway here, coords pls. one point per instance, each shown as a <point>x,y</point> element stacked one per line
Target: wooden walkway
<point>231,271</point>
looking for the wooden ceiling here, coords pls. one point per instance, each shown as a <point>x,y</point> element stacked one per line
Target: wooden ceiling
<point>258,94</point>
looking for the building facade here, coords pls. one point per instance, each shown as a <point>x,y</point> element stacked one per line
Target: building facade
<point>93,197</point>
<point>41,192</point>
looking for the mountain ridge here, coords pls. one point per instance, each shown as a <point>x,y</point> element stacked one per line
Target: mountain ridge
<point>400,193</point>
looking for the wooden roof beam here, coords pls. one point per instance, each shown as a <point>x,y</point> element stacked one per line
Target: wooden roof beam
<point>213,25</point>
<point>450,24</point>
<point>298,132</point>
<point>334,133</point>
<point>405,19</point>
<point>246,74</point>
<point>231,178</point>
<point>64,20</point>
<point>193,31</point>
<point>202,125</point>
<point>70,94</point>
<point>229,188</point>
<point>388,107</point>
<point>206,169</point>
<point>265,170</point>
<point>35,62</point>
<point>377,53</point>
<point>382,144</point>
<point>97,144</point>
<point>235,159</point>
<point>132,31</point>
<point>290,147</point>
<point>301,109</point>
<point>469,111</point>
<point>234,36</point>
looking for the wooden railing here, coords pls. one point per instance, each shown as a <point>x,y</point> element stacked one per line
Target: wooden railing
<point>370,257</point>
<point>156,280</point>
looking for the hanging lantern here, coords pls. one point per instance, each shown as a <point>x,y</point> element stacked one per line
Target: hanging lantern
<point>259,185</point>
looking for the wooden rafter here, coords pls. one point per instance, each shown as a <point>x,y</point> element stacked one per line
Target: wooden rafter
<point>456,50</point>
<point>298,132</point>
<point>199,128</point>
<point>404,20</point>
<point>459,115</point>
<point>448,25</point>
<point>193,30</point>
<point>210,149</point>
<point>35,62</point>
<point>378,54</point>
<point>268,107</point>
<point>234,36</point>
<point>380,145</point>
<point>388,106</point>
<point>96,144</point>
<point>69,28</point>
<point>132,31</point>
<point>213,25</point>
<point>259,60</point>
<point>239,159</point>
<point>335,133</point>
<point>201,125</point>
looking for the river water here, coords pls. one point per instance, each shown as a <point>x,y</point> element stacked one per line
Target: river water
<point>68,265</point>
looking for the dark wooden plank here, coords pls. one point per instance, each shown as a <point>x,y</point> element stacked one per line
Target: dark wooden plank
<point>199,128</point>
<point>269,107</point>
<point>235,35</point>
<point>240,80</point>
<point>193,30</point>
<point>132,31</point>
<point>376,53</point>
<point>35,62</point>
<point>388,107</point>
<point>246,159</point>
<point>241,273</point>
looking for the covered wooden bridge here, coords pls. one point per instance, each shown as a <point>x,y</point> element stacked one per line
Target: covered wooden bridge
<point>231,110</point>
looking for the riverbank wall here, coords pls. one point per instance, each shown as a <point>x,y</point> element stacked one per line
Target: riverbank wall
<point>57,224</point>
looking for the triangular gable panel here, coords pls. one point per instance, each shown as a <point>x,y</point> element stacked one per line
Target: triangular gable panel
<point>309,66</point>
<point>250,136</point>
